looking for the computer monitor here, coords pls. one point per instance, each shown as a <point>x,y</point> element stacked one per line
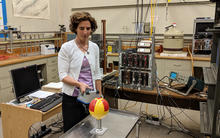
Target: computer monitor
<point>173,75</point>
<point>25,81</point>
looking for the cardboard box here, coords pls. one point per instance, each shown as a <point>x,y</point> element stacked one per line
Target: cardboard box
<point>47,49</point>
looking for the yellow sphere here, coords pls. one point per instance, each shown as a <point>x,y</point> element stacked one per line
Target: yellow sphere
<point>98,108</point>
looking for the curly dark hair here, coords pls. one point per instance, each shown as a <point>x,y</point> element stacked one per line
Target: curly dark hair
<point>78,17</point>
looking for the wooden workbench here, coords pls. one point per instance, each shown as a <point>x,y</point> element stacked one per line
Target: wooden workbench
<point>195,58</point>
<point>157,56</point>
<point>20,59</point>
<point>167,97</point>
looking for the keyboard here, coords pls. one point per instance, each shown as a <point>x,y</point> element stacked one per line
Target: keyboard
<point>48,102</point>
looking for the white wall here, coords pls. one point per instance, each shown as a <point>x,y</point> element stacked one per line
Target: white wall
<point>30,24</point>
<point>120,19</point>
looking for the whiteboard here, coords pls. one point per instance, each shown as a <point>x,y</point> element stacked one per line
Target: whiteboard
<point>31,8</point>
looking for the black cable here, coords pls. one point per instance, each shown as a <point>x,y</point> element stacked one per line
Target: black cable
<point>184,130</point>
<point>36,131</point>
<point>142,7</point>
<point>161,80</point>
<point>176,105</point>
<point>182,110</point>
<point>177,120</point>
<point>179,123</point>
<point>137,23</point>
<point>126,104</point>
<point>164,113</point>
<point>175,115</point>
<point>140,108</point>
<point>116,93</point>
<point>148,7</point>
<point>172,115</point>
<point>57,124</point>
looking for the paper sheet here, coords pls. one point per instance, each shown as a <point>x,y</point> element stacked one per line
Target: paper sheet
<point>183,54</point>
<point>54,85</point>
<point>41,94</point>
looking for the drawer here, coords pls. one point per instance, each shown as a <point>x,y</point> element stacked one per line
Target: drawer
<point>53,78</point>
<point>178,65</point>
<point>201,63</point>
<point>52,69</point>
<point>5,82</point>
<point>19,65</point>
<point>37,62</point>
<point>52,60</point>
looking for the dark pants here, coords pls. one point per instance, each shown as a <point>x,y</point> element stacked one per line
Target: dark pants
<point>73,111</point>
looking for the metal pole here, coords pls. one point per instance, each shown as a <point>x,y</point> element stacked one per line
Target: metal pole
<point>104,45</point>
<point>137,129</point>
<point>11,40</point>
<point>99,124</point>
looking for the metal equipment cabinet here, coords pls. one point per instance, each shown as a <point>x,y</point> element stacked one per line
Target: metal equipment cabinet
<point>209,111</point>
<point>181,65</point>
<point>47,69</point>
<point>137,65</point>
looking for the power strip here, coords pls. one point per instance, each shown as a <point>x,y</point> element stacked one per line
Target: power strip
<point>157,123</point>
<point>152,120</point>
<point>41,133</point>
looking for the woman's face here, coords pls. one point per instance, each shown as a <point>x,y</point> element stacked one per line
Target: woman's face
<point>84,30</point>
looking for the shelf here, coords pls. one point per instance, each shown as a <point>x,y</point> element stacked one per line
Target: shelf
<point>205,119</point>
<point>4,42</point>
<point>209,75</point>
<point>31,40</point>
<point>216,30</point>
<point>202,49</point>
<point>210,106</point>
<point>210,112</point>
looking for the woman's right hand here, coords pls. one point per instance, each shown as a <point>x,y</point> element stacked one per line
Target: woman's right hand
<point>83,87</point>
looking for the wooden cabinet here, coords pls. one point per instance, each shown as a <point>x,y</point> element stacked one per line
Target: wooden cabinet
<point>6,91</point>
<point>52,70</point>
<point>47,69</point>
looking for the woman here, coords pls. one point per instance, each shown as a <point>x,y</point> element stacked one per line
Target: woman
<point>78,65</point>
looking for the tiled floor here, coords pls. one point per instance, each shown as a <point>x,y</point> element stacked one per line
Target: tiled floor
<point>189,118</point>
